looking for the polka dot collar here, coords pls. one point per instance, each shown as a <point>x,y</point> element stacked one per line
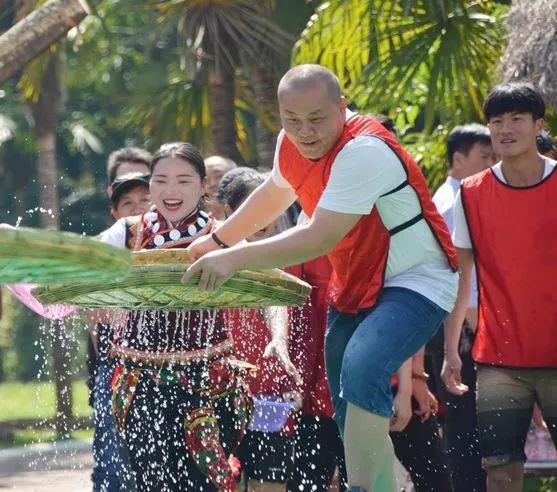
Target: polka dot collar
<point>163,234</point>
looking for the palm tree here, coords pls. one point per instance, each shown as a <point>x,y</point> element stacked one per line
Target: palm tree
<point>426,63</point>
<point>225,35</point>
<point>41,87</point>
<point>437,54</point>
<point>36,32</point>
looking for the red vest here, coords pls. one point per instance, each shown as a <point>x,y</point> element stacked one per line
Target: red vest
<point>359,260</point>
<point>514,235</point>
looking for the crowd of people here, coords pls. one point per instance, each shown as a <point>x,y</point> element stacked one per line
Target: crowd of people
<point>427,338</point>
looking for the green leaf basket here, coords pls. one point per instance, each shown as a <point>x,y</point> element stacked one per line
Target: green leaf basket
<point>50,257</point>
<point>153,283</point>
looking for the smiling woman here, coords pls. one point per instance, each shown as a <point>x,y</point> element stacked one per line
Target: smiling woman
<point>174,369</point>
<point>178,180</point>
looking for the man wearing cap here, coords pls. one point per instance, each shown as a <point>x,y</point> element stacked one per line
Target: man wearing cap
<point>129,195</point>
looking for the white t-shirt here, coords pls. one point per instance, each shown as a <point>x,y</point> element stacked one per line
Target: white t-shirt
<point>115,235</point>
<point>444,199</point>
<point>461,233</point>
<point>365,169</point>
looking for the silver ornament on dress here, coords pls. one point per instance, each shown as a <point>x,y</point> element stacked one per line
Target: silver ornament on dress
<point>174,234</point>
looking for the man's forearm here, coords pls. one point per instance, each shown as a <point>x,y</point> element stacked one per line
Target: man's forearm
<point>453,324</point>
<point>292,247</point>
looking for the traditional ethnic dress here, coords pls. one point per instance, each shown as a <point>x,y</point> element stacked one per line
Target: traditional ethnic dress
<point>179,398</point>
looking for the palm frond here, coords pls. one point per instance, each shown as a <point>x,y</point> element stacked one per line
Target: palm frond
<point>439,54</point>
<point>227,29</point>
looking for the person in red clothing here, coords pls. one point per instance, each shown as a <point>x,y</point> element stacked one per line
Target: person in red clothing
<point>306,459</point>
<point>394,266</point>
<point>505,223</point>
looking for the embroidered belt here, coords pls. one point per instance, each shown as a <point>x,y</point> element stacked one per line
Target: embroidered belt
<point>184,357</point>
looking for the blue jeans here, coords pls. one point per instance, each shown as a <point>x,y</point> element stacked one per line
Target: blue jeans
<point>107,471</point>
<point>363,350</point>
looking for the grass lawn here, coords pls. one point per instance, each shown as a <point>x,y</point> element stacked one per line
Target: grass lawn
<point>534,484</point>
<point>36,400</point>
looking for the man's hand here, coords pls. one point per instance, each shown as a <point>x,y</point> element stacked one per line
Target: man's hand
<point>215,268</point>
<point>200,247</point>
<point>402,404</point>
<point>427,403</point>
<point>278,348</point>
<point>451,374</point>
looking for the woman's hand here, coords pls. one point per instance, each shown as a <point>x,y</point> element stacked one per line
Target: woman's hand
<point>402,411</point>
<point>278,348</point>
<point>200,247</point>
<point>427,403</point>
<point>296,397</point>
<point>538,418</point>
<point>451,374</point>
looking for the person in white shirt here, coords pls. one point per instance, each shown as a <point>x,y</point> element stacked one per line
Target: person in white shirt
<point>469,151</point>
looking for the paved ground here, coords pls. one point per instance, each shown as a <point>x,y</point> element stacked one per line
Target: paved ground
<point>64,468</point>
<point>47,468</point>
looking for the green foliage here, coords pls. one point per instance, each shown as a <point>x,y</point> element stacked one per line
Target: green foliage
<point>424,62</point>
<point>429,151</point>
<point>440,54</point>
<point>22,438</point>
<point>22,345</point>
<point>25,344</point>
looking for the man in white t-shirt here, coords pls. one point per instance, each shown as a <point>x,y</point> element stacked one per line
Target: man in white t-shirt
<point>469,151</point>
<point>393,261</point>
<point>127,169</point>
<point>504,222</point>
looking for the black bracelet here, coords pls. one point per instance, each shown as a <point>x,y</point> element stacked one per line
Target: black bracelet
<point>221,244</point>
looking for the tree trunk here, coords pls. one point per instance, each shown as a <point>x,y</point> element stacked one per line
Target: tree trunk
<point>36,32</point>
<point>223,118</point>
<point>44,113</point>
<point>268,123</point>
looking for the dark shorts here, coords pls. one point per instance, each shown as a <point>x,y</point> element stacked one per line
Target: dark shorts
<point>265,456</point>
<point>506,398</point>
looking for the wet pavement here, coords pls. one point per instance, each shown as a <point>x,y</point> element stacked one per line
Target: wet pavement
<point>60,467</point>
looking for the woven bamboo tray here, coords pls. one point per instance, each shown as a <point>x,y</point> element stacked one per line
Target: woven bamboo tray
<point>153,283</point>
<point>41,256</point>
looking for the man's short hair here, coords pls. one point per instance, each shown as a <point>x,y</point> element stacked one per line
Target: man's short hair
<point>463,137</point>
<point>304,76</point>
<point>514,97</point>
<point>125,154</point>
